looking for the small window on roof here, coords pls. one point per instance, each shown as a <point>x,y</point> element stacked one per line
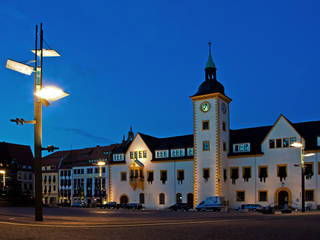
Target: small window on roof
<point>318,141</point>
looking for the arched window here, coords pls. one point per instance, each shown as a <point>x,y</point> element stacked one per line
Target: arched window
<point>161,199</point>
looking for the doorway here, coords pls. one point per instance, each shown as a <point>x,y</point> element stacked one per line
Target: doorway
<point>124,199</point>
<point>190,200</point>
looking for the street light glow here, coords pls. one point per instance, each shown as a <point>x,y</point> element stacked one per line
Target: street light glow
<point>2,171</point>
<point>47,53</point>
<point>296,145</point>
<point>309,154</point>
<point>101,163</point>
<point>51,93</point>
<point>19,67</point>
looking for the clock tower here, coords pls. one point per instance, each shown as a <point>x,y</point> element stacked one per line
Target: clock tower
<point>211,135</point>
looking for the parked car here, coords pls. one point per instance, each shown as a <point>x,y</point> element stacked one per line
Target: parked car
<point>214,203</point>
<point>79,204</point>
<point>110,205</point>
<point>180,206</point>
<point>133,206</point>
<point>250,207</point>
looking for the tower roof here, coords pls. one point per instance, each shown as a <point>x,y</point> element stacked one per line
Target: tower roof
<point>210,85</point>
<point>210,63</point>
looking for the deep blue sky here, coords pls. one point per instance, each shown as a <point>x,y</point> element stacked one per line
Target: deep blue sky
<point>137,62</point>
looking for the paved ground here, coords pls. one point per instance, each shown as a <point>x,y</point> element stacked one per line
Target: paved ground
<point>69,224</point>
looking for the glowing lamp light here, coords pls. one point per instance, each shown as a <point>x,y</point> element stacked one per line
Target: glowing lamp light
<point>296,145</point>
<point>309,154</point>
<point>51,93</point>
<point>47,53</point>
<point>2,172</point>
<point>101,163</point>
<point>19,67</point>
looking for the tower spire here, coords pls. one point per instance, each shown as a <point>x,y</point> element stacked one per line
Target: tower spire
<point>210,67</point>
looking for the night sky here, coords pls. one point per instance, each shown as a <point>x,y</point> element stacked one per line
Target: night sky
<point>137,63</point>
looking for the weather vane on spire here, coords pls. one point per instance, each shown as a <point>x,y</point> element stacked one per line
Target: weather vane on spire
<point>209,43</point>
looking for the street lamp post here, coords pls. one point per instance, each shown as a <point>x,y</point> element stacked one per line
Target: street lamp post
<point>100,164</point>
<point>42,96</point>
<point>3,172</point>
<point>302,166</point>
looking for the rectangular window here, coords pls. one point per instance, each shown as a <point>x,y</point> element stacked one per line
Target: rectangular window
<point>278,143</point>
<point>206,173</point>
<point>263,173</point>
<point>206,146</point>
<point>163,176</point>
<point>225,175</point>
<point>161,199</point>
<point>292,140</point>
<point>224,126</point>
<point>150,177</point>
<point>135,155</point>
<point>309,195</point>
<point>318,141</point>
<point>319,168</point>
<point>308,170</point>
<point>180,176</point>
<point>241,147</point>
<point>89,170</point>
<point>282,172</point>
<point>162,154</point>
<point>224,146</point>
<point>234,174</point>
<point>271,143</point>
<point>190,151</point>
<point>140,154</point>
<point>144,154</point>
<point>263,196</point>
<point>286,142</point>
<point>131,155</point>
<point>123,176</point>
<point>141,198</point>
<point>246,173</point>
<point>205,125</point>
<point>240,196</point>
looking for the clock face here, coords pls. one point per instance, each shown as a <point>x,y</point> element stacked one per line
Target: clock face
<point>205,106</point>
<point>223,108</point>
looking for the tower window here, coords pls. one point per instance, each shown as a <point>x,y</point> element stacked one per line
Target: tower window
<point>205,125</point>
<point>225,175</point>
<point>206,173</point>
<point>206,146</point>
<point>224,146</point>
<point>224,126</point>
<point>123,176</point>
<point>282,172</point>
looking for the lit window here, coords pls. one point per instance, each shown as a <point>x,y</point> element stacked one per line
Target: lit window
<point>292,140</point>
<point>318,141</point>
<point>205,145</point>
<point>131,155</point>
<point>162,153</point>
<point>190,151</point>
<point>144,154</point>
<point>285,142</point>
<point>140,154</point>
<point>241,147</point>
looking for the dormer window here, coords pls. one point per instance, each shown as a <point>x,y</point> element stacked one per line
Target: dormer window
<point>178,152</point>
<point>118,157</point>
<point>189,151</point>
<point>241,147</point>
<point>162,154</point>
<point>318,141</point>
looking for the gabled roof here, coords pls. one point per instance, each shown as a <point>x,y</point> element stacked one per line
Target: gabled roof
<point>20,154</point>
<point>309,131</point>
<point>254,136</point>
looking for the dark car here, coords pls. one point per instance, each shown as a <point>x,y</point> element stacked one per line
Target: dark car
<point>134,206</point>
<point>268,210</point>
<point>110,205</point>
<point>180,206</point>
